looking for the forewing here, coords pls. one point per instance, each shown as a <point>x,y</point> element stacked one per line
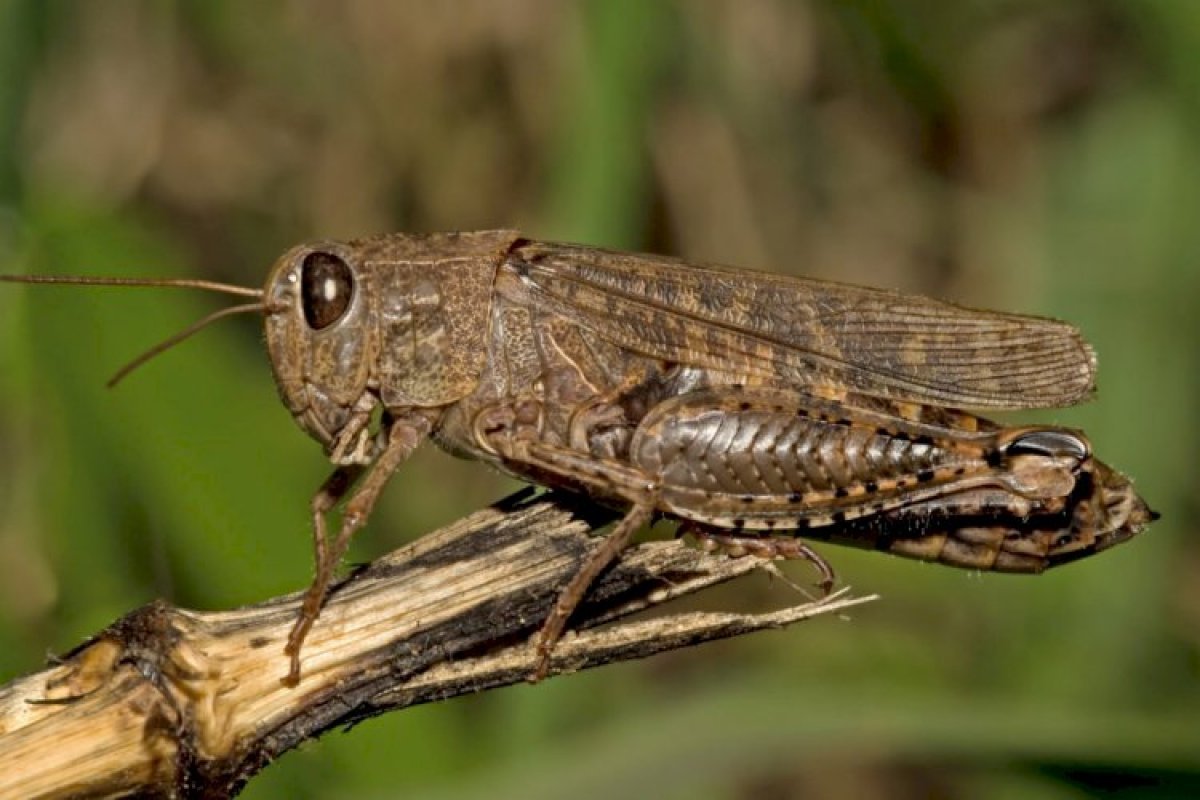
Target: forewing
<point>808,333</point>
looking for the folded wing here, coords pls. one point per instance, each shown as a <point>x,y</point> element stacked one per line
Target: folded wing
<point>811,333</point>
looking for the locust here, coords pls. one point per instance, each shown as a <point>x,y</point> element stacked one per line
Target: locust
<point>758,410</point>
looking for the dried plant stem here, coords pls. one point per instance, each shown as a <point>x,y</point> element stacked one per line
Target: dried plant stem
<point>170,702</point>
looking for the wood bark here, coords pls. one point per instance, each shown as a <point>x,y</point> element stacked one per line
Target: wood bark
<point>169,702</point>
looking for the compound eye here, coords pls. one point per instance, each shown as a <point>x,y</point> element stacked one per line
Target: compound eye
<point>1049,442</point>
<point>326,287</point>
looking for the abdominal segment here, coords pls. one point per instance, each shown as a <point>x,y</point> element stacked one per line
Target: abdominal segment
<point>762,461</point>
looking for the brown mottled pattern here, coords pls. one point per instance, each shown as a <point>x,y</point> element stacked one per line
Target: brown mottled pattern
<point>521,367</point>
<point>434,306</point>
<point>800,332</point>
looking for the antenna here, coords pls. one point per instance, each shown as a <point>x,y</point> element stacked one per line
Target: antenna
<point>186,333</point>
<point>156,283</point>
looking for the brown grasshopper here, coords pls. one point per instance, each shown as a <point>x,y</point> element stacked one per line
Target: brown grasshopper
<point>743,404</point>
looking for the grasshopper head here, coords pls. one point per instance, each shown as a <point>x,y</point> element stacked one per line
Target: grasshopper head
<point>318,336</point>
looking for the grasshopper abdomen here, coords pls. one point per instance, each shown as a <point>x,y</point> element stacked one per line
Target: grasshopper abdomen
<point>771,460</point>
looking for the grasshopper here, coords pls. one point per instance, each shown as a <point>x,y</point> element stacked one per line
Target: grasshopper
<point>753,408</point>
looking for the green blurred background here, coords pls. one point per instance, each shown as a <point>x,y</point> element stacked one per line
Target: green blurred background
<point>1024,155</point>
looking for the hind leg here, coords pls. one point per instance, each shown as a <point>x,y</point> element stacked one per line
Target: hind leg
<point>772,547</point>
